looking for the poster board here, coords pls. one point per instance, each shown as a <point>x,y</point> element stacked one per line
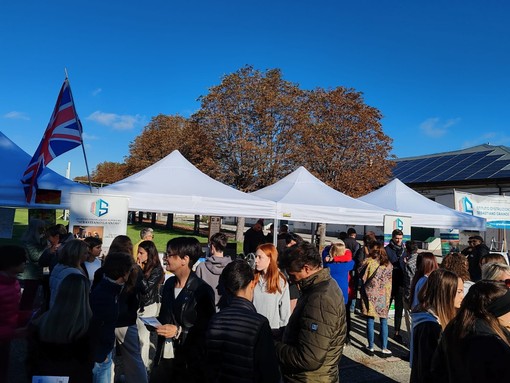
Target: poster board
<point>392,222</point>
<point>214,225</point>
<point>494,208</point>
<point>101,216</point>
<point>450,240</point>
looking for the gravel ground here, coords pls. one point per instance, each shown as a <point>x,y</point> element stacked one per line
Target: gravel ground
<point>355,365</point>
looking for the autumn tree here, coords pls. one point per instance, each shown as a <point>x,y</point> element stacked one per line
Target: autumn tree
<point>343,143</point>
<point>108,172</point>
<point>251,118</point>
<point>263,127</point>
<point>164,134</point>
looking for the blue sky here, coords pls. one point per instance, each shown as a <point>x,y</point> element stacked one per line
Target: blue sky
<point>438,71</point>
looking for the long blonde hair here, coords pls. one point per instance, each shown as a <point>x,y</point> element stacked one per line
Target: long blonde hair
<point>337,249</point>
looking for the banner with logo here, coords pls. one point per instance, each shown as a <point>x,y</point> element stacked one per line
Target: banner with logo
<point>449,241</point>
<point>393,222</point>
<point>101,216</point>
<point>494,208</point>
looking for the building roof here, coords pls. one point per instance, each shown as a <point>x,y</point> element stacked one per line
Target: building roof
<point>482,162</point>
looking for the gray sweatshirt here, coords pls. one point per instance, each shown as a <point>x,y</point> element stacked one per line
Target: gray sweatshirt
<point>210,272</point>
<point>275,307</point>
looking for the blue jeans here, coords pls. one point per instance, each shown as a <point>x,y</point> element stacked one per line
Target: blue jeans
<point>102,372</point>
<point>129,345</point>
<point>383,334</point>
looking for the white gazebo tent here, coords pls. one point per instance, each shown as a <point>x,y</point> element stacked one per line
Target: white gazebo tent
<point>423,211</point>
<point>300,196</point>
<point>174,185</point>
<point>15,161</point>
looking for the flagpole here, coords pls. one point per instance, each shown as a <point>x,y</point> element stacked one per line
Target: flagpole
<point>81,130</point>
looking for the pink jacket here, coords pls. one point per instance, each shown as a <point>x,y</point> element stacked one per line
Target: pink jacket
<point>10,294</point>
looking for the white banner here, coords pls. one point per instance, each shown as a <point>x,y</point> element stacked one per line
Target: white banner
<point>495,209</point>
<point>393,222</point>
<point>95,215</point>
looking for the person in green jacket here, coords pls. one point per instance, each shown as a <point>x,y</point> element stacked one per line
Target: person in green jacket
<point>313,340</point>
<point>34,241</point>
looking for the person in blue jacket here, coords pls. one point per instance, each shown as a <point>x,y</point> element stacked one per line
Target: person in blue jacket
<point>339,261</point>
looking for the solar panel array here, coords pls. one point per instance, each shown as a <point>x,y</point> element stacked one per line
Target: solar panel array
<point>458,166</point>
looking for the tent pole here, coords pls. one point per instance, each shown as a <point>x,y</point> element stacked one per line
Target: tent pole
<point>275,231</point>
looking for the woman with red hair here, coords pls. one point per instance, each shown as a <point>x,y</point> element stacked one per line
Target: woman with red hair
<point>271,295</point>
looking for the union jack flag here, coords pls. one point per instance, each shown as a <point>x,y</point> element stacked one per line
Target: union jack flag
<point>64,132</point>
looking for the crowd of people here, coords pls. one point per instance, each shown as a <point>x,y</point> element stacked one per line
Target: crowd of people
<point>285,317</point>
<point>454,311</point>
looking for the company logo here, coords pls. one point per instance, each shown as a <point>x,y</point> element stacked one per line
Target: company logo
<point>398,224</point>
<point>466,205</point>
<point>99,207</point>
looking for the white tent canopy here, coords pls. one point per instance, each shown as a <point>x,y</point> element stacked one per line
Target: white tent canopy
<point>300,196</point>
<point>174,185</point>
<point>423,211</point>
<point>15,161</point>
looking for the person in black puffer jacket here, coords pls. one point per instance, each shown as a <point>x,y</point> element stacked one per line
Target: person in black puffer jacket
<point>239,342</point>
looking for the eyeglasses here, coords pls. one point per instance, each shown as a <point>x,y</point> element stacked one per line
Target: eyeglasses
<point>168,255</point>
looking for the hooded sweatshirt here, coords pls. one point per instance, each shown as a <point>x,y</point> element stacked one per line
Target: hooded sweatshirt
<point>426,331</point>
<point>210,272</point>
<point>57,275</point>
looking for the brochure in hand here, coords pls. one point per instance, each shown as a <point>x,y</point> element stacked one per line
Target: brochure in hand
<point>151,321</point>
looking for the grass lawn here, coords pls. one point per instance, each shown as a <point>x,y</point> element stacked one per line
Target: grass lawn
<point>161,234</point>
